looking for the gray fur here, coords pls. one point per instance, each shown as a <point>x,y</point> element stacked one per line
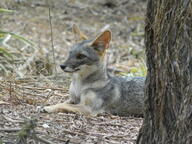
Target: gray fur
<point>120,96</point>
<point>93,90</point>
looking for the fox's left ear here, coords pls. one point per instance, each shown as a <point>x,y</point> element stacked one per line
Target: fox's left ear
<point>78,34</point>
<point>101,43</point>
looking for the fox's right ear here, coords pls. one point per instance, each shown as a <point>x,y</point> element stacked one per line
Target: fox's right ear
<point>101,43</point>
<point>78,34</point>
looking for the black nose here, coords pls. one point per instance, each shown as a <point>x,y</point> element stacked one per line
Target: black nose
<point>63,66</point>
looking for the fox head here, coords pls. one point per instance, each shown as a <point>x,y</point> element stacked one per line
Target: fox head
<point>87,54</point>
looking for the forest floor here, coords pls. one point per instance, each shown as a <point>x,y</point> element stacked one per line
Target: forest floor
<point>30,75</point>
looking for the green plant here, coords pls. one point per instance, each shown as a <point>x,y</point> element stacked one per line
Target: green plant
<point>1,141</point>
<point>18,37</point>
<point>5,11</point>
<point>6,55</point>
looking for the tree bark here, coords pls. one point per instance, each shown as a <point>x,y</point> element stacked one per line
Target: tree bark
<point>168,90</point>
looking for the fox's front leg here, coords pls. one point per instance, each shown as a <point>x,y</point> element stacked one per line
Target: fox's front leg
<point>70,108</point>
<point>71,100</point>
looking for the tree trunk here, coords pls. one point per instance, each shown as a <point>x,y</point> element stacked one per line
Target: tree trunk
<point>168,91</point>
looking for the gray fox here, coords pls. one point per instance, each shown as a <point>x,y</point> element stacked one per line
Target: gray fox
<point>93,90</point>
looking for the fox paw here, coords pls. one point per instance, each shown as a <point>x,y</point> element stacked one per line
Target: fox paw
<point>42,109</point>
<point>47,109</point>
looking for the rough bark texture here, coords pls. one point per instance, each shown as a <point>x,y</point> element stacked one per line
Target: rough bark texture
<point>168,91</point>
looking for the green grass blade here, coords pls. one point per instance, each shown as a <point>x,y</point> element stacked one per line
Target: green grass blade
<point>5,11</point>
<point>5,52</point>
<point>17,37</point>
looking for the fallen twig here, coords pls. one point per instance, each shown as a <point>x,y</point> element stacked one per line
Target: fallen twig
<point>10,129</point>
<point>43,140</point>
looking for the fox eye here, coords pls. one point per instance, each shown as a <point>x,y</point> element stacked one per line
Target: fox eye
<point>81,56</point>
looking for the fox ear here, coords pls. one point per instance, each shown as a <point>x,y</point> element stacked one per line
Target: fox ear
<point>78,34</point>
<point>101,43</point>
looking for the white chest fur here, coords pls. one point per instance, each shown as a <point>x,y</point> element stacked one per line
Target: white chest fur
<point>76,88</point>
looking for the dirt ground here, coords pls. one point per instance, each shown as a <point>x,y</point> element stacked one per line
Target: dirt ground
<point>32,77</point>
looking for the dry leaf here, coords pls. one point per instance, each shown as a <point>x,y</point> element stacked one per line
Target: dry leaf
<point>3,103</point>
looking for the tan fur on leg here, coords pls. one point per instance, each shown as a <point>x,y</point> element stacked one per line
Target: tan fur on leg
<point>71,108</point>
